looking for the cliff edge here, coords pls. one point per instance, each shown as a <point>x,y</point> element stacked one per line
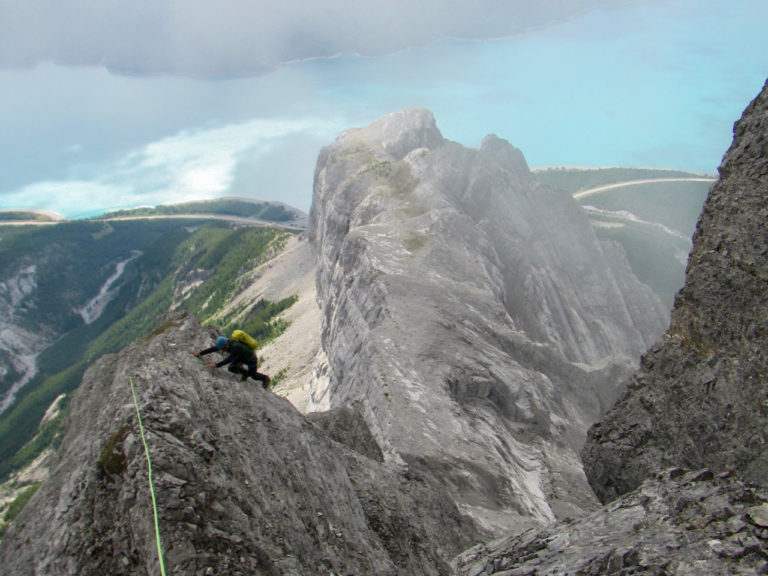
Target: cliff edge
<point>699,398</point>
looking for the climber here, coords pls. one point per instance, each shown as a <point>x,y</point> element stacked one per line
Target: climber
<point>238,353</point>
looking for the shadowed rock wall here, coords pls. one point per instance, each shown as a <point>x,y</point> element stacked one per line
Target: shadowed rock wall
<point>700,397</point>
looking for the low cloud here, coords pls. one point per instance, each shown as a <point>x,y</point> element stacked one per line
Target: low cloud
<point>191,165</point>
<point>250,37</point>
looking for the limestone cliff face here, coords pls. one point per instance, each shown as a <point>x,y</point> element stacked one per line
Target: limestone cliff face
<point>700,397</point>
<point>473,314</point>
<point>244,483</point>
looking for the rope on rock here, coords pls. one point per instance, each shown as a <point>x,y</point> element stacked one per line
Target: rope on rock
<point>151,487</point>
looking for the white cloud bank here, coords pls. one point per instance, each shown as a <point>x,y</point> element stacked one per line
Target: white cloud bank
<point>247,37</point>
<point>191,165</point>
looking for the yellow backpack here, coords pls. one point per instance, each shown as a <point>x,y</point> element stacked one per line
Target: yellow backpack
<point>240,336</point>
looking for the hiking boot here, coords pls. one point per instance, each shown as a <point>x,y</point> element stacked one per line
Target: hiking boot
<point>244,377</point>
<point>265,383</point>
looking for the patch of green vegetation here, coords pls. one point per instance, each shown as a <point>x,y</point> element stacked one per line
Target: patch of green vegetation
<point>379,169</point>
<point>414,241</point>
<point>112,457</point>
<point>360,152</point>
<point>397,177</point>
<point>279,377</point>
<point>22,438</point>
<point>22,216</point>
<point>11,374</point>
<point>228,257</point>
<point>15,507</point>
<point>263,321</point>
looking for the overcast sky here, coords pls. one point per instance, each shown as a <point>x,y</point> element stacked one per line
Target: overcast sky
<point>113,104</point>
<point>244,37</point>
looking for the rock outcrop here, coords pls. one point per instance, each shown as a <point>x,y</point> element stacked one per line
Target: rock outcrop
<point>472,313</point>
<point>473,328</point>
<point>678,522</point>
<point>700,397</point>
<point>244,483</point>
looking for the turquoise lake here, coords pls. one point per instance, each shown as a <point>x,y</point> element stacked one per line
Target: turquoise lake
<point>656,84</point>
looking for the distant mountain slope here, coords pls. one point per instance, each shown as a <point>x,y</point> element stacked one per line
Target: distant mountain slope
<point>651,213</point>
<point>227,206</point>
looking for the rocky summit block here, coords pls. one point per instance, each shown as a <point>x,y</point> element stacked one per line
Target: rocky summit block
<point>472,313</point>
<point>244,483</point>
<point>700,397</point>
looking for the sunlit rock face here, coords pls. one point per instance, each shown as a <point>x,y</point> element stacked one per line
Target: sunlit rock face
<point>473,314</point>
<point>699,398</point>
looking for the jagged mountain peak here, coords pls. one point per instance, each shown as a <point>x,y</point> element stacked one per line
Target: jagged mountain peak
<point>463,304</point>
<point>505,152</point>
<point>399,133</point>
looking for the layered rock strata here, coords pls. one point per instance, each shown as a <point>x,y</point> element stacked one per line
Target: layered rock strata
<point>678,522</point>
<point>472,313</point>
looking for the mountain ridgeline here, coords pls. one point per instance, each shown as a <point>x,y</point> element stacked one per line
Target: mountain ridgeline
<point>474,314</point>
<point>472,328</point>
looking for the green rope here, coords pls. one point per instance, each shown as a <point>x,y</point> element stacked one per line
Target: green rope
<point>151,487</point>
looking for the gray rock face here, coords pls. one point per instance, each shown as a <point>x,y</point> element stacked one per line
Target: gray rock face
<point>244,483</point>
<point>685,523</point>
<point>472,313</point>
<point>699,398</point>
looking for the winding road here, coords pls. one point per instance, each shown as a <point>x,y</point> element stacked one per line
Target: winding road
<point>606,187</point>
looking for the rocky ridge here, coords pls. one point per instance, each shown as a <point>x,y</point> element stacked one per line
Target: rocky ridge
<point>677,522</point>
<point>247,485</point>
<point>472,313</point>
<point>244,483</point>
